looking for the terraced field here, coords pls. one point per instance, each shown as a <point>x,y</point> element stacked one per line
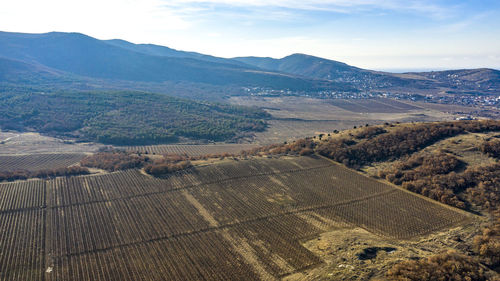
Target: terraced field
<point>191,150</point>
<point>231,221</point>
<point>34,162</point>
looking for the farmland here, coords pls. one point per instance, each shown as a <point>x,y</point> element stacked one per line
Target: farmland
<point>15,143</point>
<point>338,109</point>
<point>374,105</point>
<point>34,162</point>
<point>455,163</point>
<point>287,130</point>
<point>191,150</point>
<point>254,213</point>
<point>300,117</point>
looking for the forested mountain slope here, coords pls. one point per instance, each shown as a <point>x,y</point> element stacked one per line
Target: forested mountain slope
<point>82,55</point>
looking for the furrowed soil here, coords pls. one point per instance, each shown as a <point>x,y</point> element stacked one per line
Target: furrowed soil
<point>237,220</point>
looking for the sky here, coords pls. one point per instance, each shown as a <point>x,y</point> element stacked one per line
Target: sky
<point>396,35</point>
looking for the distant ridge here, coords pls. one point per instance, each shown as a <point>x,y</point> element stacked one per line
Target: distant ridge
<point>156,50</point>
<point>82,55</point>
<point>304,65</point>
<point>58,55</point>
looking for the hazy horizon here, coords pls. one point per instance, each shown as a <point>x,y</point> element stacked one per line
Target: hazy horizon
<point>381,35</point>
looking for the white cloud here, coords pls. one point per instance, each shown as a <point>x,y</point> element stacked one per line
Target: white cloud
<point>138,18</point>
<point>424,7</point>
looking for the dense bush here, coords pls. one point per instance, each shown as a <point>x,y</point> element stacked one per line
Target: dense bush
<point>430,175</point>
<point>399,142</point>
<point>485,193</point>
<point>487,244</point>
<point>442,188</point>
<point>420,165</point>
<point>491,147</point>
<point>447,266</point>
<point>373,144</point>
<point>114,160</point>
<point>161,168</point>
<point>369,132</point>
<point>434,176</point>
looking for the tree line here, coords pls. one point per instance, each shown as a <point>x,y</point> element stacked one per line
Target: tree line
<point>43,174</point>
<point>113,160</point>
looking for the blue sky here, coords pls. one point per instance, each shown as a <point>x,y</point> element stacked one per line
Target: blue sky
<point>384,34</point>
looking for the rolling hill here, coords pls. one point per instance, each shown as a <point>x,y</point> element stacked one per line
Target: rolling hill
<point>473,79</point>
<point>305,65</point>
<point>481,80</point>
<point>125,118</point>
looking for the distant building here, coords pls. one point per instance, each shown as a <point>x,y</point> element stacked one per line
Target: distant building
<point>468,117</point>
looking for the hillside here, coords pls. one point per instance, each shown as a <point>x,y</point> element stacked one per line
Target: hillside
<point>310,66</point>
<point>480,80</point>
<point>82,55</point>
<point>455,163</point>
<point>305,65</point>
<point>16,71</point>
<point>125,117</point>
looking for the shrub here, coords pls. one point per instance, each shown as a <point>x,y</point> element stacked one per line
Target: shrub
<point>114,160</point>
<point>49,173</point>
<point>448,266</point>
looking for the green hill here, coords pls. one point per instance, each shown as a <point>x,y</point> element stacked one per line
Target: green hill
<point>125,117</point>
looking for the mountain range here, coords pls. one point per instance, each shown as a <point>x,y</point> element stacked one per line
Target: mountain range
<point>74,57</point>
